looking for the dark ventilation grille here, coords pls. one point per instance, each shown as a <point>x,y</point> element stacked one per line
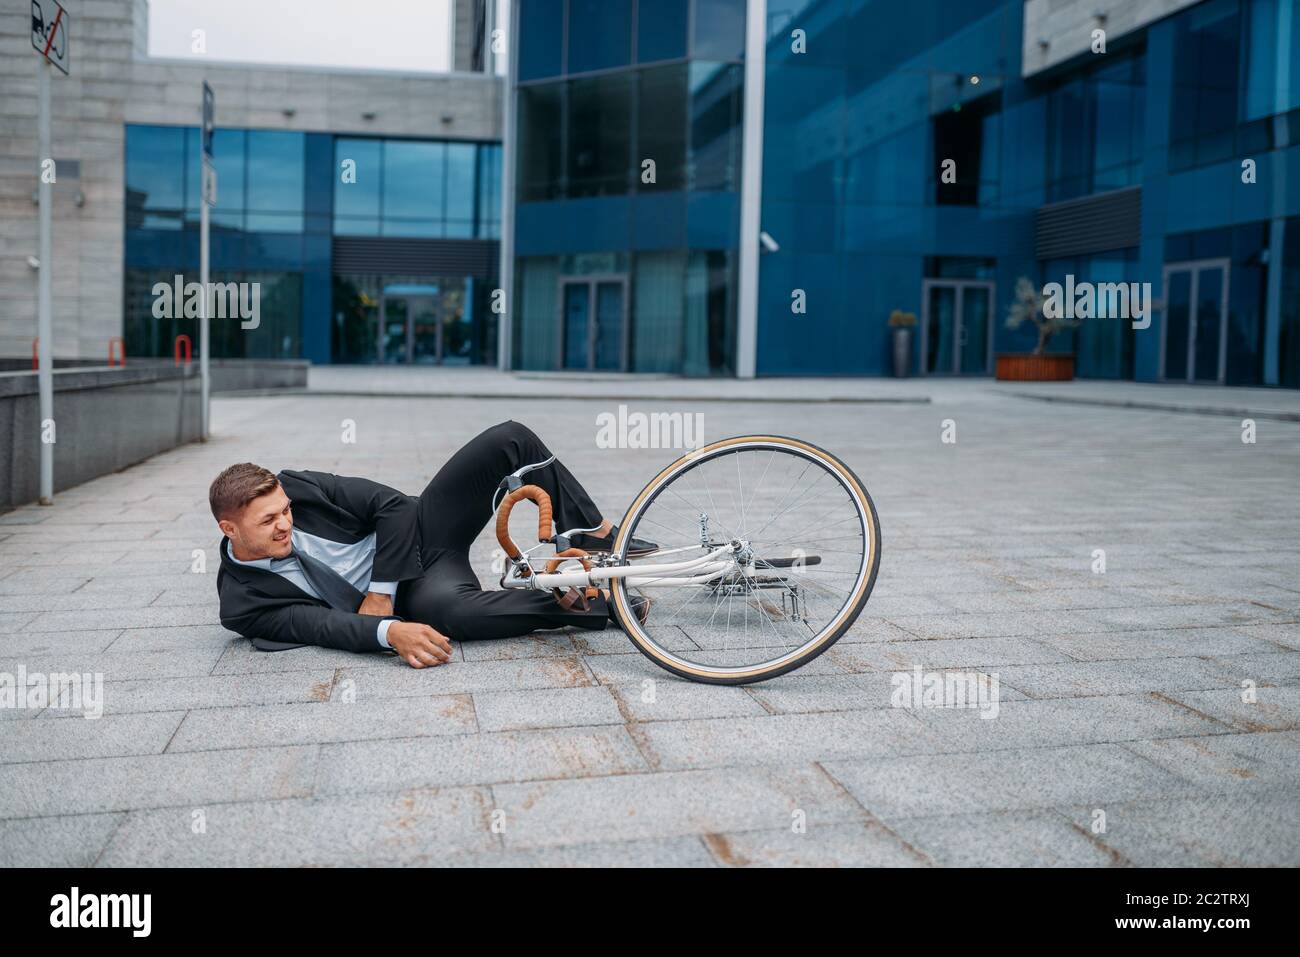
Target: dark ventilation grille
<point>1095,224</point>
<point>417,257</point>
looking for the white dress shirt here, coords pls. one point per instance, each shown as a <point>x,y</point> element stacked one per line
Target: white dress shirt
<point>352,562</point>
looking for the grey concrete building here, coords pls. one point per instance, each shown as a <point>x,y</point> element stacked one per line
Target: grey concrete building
<point>114,86</point>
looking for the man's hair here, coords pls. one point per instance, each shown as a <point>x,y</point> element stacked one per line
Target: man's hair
<point>237,486</point>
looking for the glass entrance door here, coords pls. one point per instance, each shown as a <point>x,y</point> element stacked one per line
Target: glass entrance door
<point>594,322</point>
<point>393,346</point>
<point>424,324</point>
<point>426,332</point>
<point>956,331</point>
<point>1194,333</point>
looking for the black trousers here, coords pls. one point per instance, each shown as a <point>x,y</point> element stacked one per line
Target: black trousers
<point>454,509</point>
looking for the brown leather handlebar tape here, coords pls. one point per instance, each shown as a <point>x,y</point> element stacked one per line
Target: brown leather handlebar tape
<point>560,558</point>
<point>545,530</point>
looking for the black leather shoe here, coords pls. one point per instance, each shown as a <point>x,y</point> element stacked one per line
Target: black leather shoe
<point>640,607</point>
<point>637,548</point>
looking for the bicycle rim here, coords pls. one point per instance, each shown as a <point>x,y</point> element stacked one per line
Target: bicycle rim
<point>813,545</point>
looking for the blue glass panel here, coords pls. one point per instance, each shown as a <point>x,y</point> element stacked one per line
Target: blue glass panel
<point>1177,319</point>
<point>357,201</point>
<point>661,30</point>
<point>541,32</point>
<point>413,188</point>
<point>489,191</point>
<point>460,190</point>
<point>576,309</point>
<point>600,135</point>
<point>228,158</point>
<point>609,325</point>
<point>356,225</point>
<point>1209,323</point>
<point>716,113</point>
<point>275,172</point>
<point>600,34</point>
<point>719,29</point>
<point>155,180</point>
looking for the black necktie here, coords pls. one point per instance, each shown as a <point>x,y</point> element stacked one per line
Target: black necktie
<point>329,584</point>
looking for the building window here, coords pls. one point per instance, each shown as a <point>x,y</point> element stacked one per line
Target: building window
<point>1096,129</point>
<point>541,35</point>
<point>599,136</point>
<point>716,112</point>
<point>719,29</point>
<point>541,138</point>
<point>1221,98</point>
<point>661,126</point>
<point>968,135</point>
<point>688,122</point>
<point>261,178</point>
<point>278,334</point>
<point>600,34</point>
<point>155,177</point>
<point>356,187</point>
<point>414,176</point>
<point>661,30</point>
<point>416,188</point>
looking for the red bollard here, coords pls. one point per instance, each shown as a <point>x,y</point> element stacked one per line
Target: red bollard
<point>183,339</point>
<point>36,353</point>
<point>121,351</point>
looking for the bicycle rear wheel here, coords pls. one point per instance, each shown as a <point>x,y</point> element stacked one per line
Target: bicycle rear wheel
<point>809,557</point>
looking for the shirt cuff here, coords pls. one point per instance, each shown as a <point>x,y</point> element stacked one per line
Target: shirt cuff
<point>383,588</point>
<point>382,632</point>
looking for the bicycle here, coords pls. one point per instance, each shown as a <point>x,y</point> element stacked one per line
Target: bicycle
<point>771,532</point>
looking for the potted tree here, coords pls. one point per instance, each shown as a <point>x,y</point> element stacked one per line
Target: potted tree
<point>901,323</point>
<point>1039,365</point>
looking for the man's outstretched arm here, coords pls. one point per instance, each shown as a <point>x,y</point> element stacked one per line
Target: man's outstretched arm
<point>307,624</point>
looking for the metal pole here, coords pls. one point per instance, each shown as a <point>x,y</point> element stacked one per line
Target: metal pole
<point>204,340</point>
<point>506,270</point>
<point>751,189</point>
<point>45,285</point>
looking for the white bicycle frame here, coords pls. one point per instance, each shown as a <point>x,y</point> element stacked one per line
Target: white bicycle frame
<point>696,571</point>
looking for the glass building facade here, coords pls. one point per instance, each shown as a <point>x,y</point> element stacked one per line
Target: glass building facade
<point>1154,131</point>
<point>628,118</point>
<point>365,250</point>
<point>1127,165</point>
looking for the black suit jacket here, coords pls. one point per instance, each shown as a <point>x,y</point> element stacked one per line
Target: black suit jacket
<point>261,604</point>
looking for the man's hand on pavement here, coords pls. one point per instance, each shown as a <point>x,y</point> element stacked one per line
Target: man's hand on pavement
<point>419,645</point>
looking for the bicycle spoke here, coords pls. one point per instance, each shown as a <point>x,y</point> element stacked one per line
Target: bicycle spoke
<point>798,506</point>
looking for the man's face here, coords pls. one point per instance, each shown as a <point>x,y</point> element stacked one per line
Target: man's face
<point>262,529</point>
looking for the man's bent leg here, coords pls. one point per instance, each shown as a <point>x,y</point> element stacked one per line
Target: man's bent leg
<point>458,502</point>
<point>448,597</point>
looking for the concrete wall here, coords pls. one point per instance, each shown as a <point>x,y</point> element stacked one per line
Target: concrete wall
<point>256,375</point>
<point>1066,26</point>
<point>106,420</point>
<point>112,84</point>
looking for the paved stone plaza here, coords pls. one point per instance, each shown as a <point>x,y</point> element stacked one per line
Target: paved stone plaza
<point>1122,736</point>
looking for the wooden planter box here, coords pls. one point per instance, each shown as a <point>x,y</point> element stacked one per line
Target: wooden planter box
<point>1030,368</point>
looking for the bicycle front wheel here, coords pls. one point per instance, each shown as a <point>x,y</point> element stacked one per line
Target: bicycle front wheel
<point>807,556</point>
